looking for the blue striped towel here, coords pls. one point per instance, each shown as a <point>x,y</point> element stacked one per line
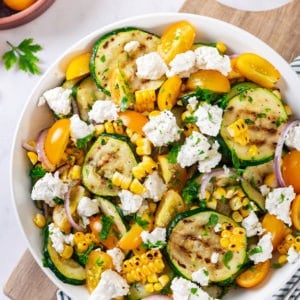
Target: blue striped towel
<point>284,290</point>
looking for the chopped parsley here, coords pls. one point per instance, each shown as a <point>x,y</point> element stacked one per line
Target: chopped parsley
<point>227,258</point>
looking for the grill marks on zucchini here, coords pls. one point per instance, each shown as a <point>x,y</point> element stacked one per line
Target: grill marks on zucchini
<point>191,242</point>
<point>264,114</point>
<point>108,54</point>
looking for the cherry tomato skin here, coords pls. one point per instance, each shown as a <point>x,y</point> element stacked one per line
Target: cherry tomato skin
<point>291,169</point>
<point>295,212</point>
<point>134,120</point>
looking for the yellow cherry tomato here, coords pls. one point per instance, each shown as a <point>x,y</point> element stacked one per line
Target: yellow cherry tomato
<point>18,4</point>
<point>257,69</point>
<point>98,261</point>
<point>291,169</point>
<point>208,79</point>
<point>79,66</point>
<point>254,275</point>
<point>134,120</point>
<point>295,212</point>
<point>168,93</point>
<point>178,38</point>
<point>276,227</point>
<point>56,140</point>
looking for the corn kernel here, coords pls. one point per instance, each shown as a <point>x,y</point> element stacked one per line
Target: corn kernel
<point>224,242</point>
<point>270,180</point>
<point>33,157</point>
<point>219,193</point>
<point>238,130</point>
<point>288,110</point>
<point>149,287</point>
<point>108,127</point>
<point>237,217</point>
<point>119,129</point>
<point>152,278</point>
<point>67,252</point>
<point>82,246</point>
<point>39,220</point>
<point>157,286</point>
<point>75,172</point>
<point>239,231</point>
<point>290,239</point>
<point>89,238</point>
<point>221,47</point>
<point>282,259</point>
<point>136,187</point>
<point>226,234</point>
<point>212,203</point>
<point>185,114</point>
<point>235,203</point>
<point>154,113</point>
<point>164,279</point>
<point>78,237</point>
<point>99,129</point>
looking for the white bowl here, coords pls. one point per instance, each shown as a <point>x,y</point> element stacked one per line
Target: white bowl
<point>34,118</point>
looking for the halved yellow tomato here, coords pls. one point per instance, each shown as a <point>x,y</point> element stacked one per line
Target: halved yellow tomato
<point>295,212</point>
<point>257,69</point>
<point>56,140</point>
<point>18,4</point>
<point>291,169</point>
<point>134,120</point>
<point>254,275</point>
<point>208,79</point>
<point>78,66</point>
<point>178,38</point>
<point>98,262</point>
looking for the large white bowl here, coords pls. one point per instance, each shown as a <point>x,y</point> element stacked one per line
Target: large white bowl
<point>34,118</point>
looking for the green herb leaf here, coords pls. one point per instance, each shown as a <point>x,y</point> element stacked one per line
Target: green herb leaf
<point>107,223</point>
<point>37,172</point>
<point>23,55</point>
<point>255,250</point>
<point>142,222</point>
<point>213,220</point>
<point>157,245</point>
<point>191,191</point>
<point>227,258</point>
<point>172,155</point>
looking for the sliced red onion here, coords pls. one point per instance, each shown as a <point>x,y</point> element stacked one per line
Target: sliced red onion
<point>157,297</point>
<point>208,176</point>
<point>76,226</point>
<point>278,152</point>
<point>28,147</point>
<point>40,150</point>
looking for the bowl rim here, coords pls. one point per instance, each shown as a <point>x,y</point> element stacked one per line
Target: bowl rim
<point>81,45</point>
<point>24,16</point>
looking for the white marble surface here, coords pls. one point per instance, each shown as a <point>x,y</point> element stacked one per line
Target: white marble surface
<point>63,24</point>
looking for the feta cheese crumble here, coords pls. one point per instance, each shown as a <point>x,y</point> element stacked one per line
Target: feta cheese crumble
<point>182,65</point>
<point>155,239</point>
<point>214,257</point>
<point>209,118</point>
<point>252,225</point>
<point>130,203</point>
<point>87,207</point>
<point>131,46</point>
<point>201,276</point>
<point>292,139</point>
<point>155,187</point>
<point>110,286</point>
<point>80,129</point>
<point>184,289</point>
<point>209,58</point>
<point>49,187</point>
<point>278,203</point>
<point>162,129</point>
<point>58,99</point>
<point>263,250</point>
<point>103,110</point>
<point>293,256</point>
<point>58,238</point>
<point>117,256</point>
<point>151,66</point>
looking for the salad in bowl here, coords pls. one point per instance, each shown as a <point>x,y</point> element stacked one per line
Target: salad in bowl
<point>164,165</point>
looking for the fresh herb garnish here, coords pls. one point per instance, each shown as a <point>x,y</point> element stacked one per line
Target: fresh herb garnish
<point>172,155</point>
<point>107,223</point>
<point>24,55</point>
<point>156,245</point>
<point>37,172</point>
<point>255,250</point>
<point>227,258</point>
<point>142,222</point>
<point>191,191</point>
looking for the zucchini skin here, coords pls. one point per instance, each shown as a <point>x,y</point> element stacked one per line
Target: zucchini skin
<point>52,261</point>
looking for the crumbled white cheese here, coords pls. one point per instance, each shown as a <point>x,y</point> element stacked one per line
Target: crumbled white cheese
<point>155,187</point>
<point>58,99</point>
<point>201,276</point>
<point>49,187</point>
<point>263,250</point>
<point>130,203</point>
<point>156,239</point>
<point>252,225</point>
<point>209,118</point>
<point>103,110</point>
<point>117,256</point>
<point>87,207</point>
<point>182,65</point>
<point>192,103</point>
<point>151,66</point>
<point>131,46</point>
<point>110,286</point>
<point>278,203</point>
<point>58,238</point>
<point>218,227</point>
<point>214,257</point>
<point>208,58</point>
<point>292,139</point>
<point>79,128</point>
<point>264,189</point>
<point>184,289</point>
<point>293,256</point>
<point>162,129</point>
<point>213,157</point>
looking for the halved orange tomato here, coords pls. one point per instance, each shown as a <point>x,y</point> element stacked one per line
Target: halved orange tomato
<point>257,69</point>
<point>178,38</point>
<point>291,169</point>
<point>134,120</point>
<point>295,212</point>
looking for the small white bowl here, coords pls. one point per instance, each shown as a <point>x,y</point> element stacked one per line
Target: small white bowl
<point>26,15</point>
<point>34,118</point>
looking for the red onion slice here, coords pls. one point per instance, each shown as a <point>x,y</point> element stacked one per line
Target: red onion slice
<point>28,147</point>
<point>278,152</point>
<point>76,226</point>
<point>40,150</point>
<point>207,177</point>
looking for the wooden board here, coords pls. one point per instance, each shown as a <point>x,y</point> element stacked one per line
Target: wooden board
<point>279,28</point>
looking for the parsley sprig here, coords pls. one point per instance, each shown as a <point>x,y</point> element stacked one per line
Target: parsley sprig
<point>24,55</point>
